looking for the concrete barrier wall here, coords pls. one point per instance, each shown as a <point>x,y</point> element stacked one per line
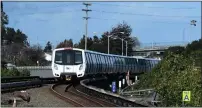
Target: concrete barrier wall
<point>42,71</point>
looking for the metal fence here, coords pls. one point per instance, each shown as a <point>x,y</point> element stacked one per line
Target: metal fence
<point>147,94</point>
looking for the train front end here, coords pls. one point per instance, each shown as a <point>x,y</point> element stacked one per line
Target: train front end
<point>67,63</point>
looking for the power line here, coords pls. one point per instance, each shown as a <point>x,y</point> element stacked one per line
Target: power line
<point>122,13</point>
<point>50,12</point>
<point>144,7</point>
<point>101,11</point>
<point>166,22</point>
<point>144,14</point>
<point>95,18</point>
<point>36,7</point>
<point>86,18</point>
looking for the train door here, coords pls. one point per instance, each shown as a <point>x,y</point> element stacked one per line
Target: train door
<point>68,61</point>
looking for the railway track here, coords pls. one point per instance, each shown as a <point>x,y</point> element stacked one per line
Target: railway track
<point>71,94</point>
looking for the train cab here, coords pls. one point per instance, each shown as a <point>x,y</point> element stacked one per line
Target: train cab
<point>68,62</point>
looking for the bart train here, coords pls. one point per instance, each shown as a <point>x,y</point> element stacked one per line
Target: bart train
<point>68,62</point>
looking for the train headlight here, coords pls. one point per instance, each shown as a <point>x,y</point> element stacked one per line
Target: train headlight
<point>81,66</point>
<point>55,66</point>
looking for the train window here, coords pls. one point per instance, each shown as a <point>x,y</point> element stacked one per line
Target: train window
<point>78,57</point>
<point>108,59</point>
<point>110,63</point>
<point>93,58</point>
<point>103,57</point>
<point>87,62</point>
<point>86,57</point>
<point>123,60</point>
<point>91,63</point>
<point>90,57</point>
<point>99,63</point>
<point>58,57</point>
<point>126,61</point>
<point>112,60</point>
<point>120,61</point>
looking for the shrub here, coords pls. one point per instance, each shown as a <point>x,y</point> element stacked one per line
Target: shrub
<point>173,75</point>
<point>25,72</point>
<point>14,72</point>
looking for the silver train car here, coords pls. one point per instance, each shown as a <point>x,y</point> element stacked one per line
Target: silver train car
<point>67,62</point>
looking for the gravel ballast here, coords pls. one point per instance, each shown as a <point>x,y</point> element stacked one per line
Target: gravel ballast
<point>40,97</point>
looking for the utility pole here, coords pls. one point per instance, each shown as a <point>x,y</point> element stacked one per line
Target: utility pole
<point>86,18</point>
<point>126,48</point>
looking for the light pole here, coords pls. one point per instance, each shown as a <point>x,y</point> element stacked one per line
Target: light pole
<point>192,22</point>
<point>122,44</point>
<point>108,43</point>
<point>184,35</point>
<point>111,36</point>
<point>126,47</point>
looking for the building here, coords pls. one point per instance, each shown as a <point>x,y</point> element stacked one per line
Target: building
<point>48,56</point>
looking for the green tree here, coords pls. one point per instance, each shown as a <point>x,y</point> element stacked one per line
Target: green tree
<point>116,44</point>
<point>4,21</point>
<point>9,35</point>
<point>81,43</point>
<point>194,46</point>
<point>175,74</point>
<point>175,50</point>
<point>101,44</point>
<point>65,43</point>
<point>29,56</point>
<point>48,47</point>
<point>96,39</point>
<point>20,38</point>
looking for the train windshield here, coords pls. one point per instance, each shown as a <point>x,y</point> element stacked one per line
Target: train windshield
<point>68,57</point>
<point>58,57</point>
<point>78,57</point>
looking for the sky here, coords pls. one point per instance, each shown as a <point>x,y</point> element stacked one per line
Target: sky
<point>151,22</point>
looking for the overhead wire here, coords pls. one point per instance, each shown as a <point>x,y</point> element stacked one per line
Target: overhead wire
<point>180,8</point>
<point>124,13</point>
<point>165,22</point>
<point>143,14</point>
<point>101,11</point>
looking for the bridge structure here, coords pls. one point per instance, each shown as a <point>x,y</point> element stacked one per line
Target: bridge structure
<point>148,48</point>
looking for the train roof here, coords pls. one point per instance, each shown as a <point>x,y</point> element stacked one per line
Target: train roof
<point>103,53</point>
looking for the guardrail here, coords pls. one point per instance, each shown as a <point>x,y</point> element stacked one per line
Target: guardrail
<point>34,67</point>
<point>128,87</point>
<point>138,92</point>
<point>16,79</point>
<point>20,83</point>
<point>144,93</point>
<point>154,100</point>
<point>116,99</point>
<point>9,87</point>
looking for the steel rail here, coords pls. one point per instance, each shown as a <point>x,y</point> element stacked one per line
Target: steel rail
<point>72,91</point>
<point>67,99</point>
